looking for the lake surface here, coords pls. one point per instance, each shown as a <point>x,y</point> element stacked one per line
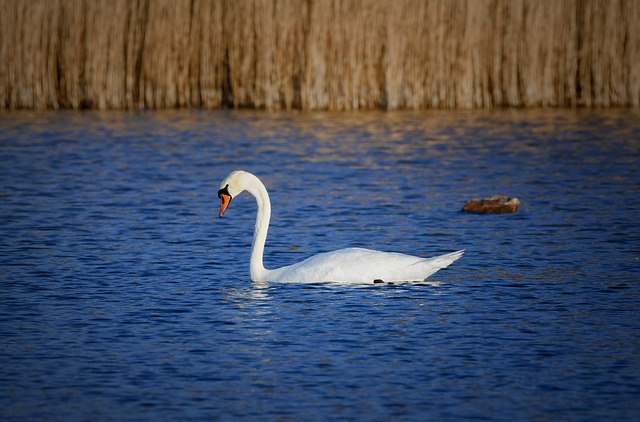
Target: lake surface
<point>124,297</point>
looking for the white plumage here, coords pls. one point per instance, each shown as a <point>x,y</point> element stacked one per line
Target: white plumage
<point>352,265</point>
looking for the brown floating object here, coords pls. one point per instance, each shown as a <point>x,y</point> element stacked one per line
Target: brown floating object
<point>497,204</point>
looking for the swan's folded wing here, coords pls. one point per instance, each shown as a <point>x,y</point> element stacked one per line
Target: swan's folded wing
<point>355,265</point>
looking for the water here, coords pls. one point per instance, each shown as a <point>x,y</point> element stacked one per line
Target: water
<point>123,297</point>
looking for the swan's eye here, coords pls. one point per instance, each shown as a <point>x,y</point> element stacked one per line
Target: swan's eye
<point>225,191</point>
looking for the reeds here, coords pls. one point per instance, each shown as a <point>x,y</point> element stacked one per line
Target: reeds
<point>319,54</point>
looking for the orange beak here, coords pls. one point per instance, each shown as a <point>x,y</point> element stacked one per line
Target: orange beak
<point>224,203</point>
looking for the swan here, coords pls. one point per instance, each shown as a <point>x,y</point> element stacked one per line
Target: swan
<point>352,265</point>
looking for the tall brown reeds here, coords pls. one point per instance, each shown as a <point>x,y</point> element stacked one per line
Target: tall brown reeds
<point>319,54</point>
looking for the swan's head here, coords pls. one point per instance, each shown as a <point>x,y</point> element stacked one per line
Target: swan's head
<point>233,185</point>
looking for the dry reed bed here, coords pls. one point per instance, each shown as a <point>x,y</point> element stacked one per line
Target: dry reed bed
<point>319,54</point>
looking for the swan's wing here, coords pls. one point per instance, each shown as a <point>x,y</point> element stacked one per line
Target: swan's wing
<point>355,265</point>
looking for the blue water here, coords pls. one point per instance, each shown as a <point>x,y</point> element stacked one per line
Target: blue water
<point>124,297</point>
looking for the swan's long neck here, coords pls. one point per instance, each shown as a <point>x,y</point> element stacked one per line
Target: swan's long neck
<point>256,266</point>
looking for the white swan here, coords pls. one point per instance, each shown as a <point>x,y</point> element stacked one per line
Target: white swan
<point>353,265</point>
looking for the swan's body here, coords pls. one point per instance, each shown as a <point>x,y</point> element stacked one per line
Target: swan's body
<point>352,265</point>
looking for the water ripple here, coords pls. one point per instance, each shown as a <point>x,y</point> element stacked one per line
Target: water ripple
<point>123,297</point>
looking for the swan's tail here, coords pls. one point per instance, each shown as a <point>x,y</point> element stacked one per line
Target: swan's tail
<point>448,259</point>
<point>434,264</point>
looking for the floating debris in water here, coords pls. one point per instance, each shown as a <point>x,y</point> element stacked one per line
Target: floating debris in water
<point>497,204</point>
